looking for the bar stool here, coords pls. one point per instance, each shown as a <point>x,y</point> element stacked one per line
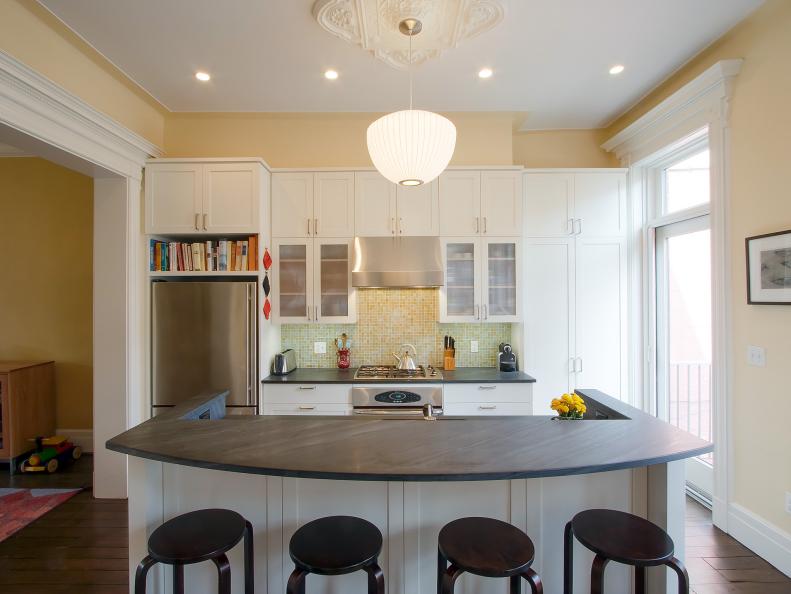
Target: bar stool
<point>485,547</point>
<point>622,537</point>
<point>197,536</point>
<point>336,545</point>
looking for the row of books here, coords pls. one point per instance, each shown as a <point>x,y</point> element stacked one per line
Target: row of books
<point>204,256</point>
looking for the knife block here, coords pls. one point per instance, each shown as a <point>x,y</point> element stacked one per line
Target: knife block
<point>449,362</point>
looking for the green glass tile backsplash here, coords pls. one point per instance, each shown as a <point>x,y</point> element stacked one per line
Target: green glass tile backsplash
<point>388,317</point>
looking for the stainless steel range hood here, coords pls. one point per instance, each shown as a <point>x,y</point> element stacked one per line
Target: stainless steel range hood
<point>397,262</point>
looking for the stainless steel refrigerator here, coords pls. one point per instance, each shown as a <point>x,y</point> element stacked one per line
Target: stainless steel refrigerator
<point>204,339</point>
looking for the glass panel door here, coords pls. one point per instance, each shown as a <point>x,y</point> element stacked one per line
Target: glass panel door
<point>461,281</point>
<point>334,281</point>
<point>293,280</point>
<point>684,399</point>
<point>501,280</point>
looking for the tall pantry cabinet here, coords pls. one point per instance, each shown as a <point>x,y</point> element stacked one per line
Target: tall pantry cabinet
<point>575,271</point>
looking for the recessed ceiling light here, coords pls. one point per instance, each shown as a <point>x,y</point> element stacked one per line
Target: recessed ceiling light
<point>202,76</point>
<point>331,74</point>
<point>485,73</point>
<point>617,69</point>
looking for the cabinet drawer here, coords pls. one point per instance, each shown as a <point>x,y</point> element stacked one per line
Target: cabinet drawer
<point>496,409</point>
<point>307,393</point>
<point>494,392</point>
<point>321,408</point>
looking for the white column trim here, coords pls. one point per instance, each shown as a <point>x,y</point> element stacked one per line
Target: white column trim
<point>702,103</point>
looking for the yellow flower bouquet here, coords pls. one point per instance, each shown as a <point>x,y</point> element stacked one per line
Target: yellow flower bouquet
<point>569,406</point>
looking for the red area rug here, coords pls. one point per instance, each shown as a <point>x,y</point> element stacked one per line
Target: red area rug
<point>19,507</point>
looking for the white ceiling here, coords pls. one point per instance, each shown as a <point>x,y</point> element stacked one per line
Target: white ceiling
<point>550,57</point>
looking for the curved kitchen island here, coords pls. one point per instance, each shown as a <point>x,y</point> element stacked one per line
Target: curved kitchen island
<point>409,477</point>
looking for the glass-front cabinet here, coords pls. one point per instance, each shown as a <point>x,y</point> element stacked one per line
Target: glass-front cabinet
<point>312,281</point>
<point>481,279</point>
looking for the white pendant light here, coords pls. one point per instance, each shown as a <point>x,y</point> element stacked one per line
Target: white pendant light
<point>411,147</point>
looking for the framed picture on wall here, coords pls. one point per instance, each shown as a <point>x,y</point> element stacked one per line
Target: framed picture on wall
<point>769,268</point>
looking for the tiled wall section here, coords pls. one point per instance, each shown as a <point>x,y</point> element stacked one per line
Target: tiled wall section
<point>388,317</point>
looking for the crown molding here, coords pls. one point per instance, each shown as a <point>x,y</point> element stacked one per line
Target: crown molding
<point>36,106</point>
<point>708,93</point>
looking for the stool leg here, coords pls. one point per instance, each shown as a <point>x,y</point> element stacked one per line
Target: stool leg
<point>376,579</point>
<point>597,574</point>
<point>223,574</point>
<point>683,576</point>
<point>249,571</point>
<point>178,579</point>
<point>296,581</point>
<point>515,586</point>
<point>532,578</point>
<point>141,573</point>
<point>568,560</point>
<point>442,565</point>
<point>449,579</point>
<point>639,580</point>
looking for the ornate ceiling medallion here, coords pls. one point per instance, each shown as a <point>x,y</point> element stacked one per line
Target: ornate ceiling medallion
<point>373,25</point>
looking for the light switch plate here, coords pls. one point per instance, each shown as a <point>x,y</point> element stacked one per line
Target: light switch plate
<point>319,348</point>
<point>756,356</point>
<point>473,346</point>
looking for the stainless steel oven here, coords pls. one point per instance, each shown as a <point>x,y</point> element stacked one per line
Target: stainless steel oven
<point>398,400</point>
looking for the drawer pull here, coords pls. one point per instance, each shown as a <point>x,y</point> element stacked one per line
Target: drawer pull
<point>487,387</point>
<point>487,407</point>
<point>307,388</point>
<point>302,407</point>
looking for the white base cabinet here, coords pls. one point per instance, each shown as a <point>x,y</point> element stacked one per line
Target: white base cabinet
<point>307,399</point>
<point>496,399</point>
<point>575,271</point>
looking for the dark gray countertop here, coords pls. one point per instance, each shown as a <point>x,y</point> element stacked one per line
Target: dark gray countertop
<point>472,375</point>
<point>451,449</point>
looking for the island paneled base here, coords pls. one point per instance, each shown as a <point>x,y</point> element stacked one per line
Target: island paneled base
<point>409,514</point>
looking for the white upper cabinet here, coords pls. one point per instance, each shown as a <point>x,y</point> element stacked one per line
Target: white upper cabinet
<point>417,210</point>
<point>292,204</point>
<point>374,205</point>
<point>548,204</point>
<point>333,204</point>
<point>501,203</point>
<point>585,203</point>
<point>231,197</point>
<point>203,196</point>
<point>600,204</point>
<point>460,203</point>
<point>174,198</point>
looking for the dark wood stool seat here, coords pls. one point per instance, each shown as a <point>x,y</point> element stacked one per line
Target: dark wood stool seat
<point>624,538</point>
<point>203,535</point>
<point>336,545</point>
<point>486,547</point>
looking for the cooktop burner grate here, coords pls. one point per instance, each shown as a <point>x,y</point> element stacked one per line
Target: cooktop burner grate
<point>379,372</point>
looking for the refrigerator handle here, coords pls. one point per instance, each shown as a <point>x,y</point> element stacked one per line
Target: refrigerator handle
<point>249,345</point>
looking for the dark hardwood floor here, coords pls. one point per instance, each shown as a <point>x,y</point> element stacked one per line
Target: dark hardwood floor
<point>80,547</point>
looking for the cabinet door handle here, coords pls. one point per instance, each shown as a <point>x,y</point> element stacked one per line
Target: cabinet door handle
<point>392,225</point>
<point>308,226</point>
<point>487,406</point>
<point>315,313</point>
<point>484,225</point>
<point>475,310</point>
<point>570,226</point>
<point>197,221</point>
<point>303,407</point>
<point>205,216</point>
<point>577,224</point>
<point>307,312</point>
<point>485,312</point>
<point>477,224</point>
<point>307,387</point>
<point>487,387</point>
<point>578,368</point>
<point>315,226</point>
<point>400,225</point>
<point>572,365</point>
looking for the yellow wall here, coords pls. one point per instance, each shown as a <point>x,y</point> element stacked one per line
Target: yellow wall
<point>35,37</point>
<point>46,238</point>
<point>761,203</point>
<point>561,148</point>
<point>321,139</point>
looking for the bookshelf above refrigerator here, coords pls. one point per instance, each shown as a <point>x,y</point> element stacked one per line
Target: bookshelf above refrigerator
<point>238,256</point>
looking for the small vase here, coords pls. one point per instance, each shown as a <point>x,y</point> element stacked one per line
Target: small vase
<point>344,358</point>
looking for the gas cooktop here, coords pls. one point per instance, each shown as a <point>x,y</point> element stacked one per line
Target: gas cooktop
<point>391,372</point>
